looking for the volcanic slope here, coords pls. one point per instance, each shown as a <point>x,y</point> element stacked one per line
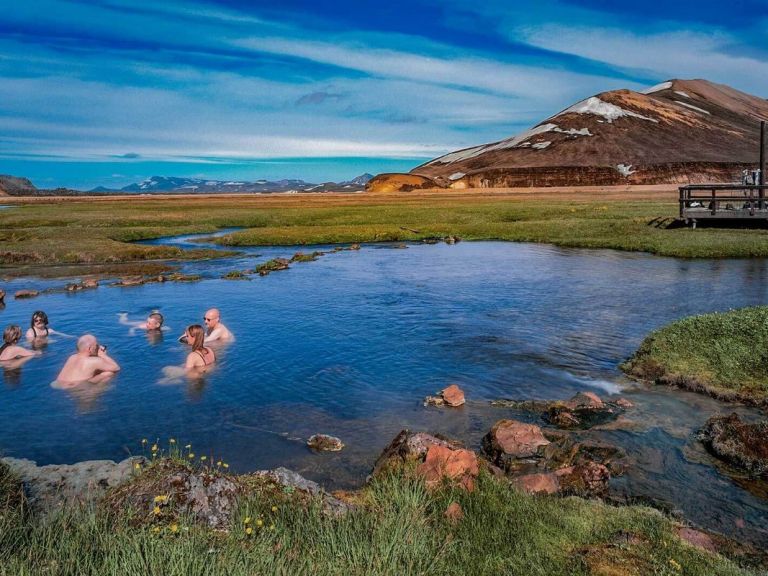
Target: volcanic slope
<point>679,131</point>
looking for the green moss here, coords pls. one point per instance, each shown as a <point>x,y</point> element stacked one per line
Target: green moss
<point>725,354</point>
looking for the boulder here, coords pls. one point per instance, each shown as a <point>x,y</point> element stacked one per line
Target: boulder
<point>624,403</point>
<point>50,487</point>
<point>585,400</point>
<point>509,440</point>
<point>409,446</point>
<point>454,465</point>
<point>584,410</point>
<point>26,294</point>
<point>130,281</point>
<point>295,481</point>
<point>90,283</point>
<point>325,443</point>
<point>586,479</point>
<point>738,443</point>
<point>273,265</point>
<point>539,483</point>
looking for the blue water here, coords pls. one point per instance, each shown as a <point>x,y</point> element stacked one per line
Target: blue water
<point>350,344</point>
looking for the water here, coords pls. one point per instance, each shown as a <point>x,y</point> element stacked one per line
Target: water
<point>350,344</point>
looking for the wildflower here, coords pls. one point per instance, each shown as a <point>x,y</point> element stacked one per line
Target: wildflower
<point>188,446</point>
<point>247,520</point>
<point>249,530</point>
<point>218,463</point>
<point>143,440</point>
<point>137,466</point>
<point>274,508</point>
<point>191,455</point>
<point>156,529</point>
<point>271,526</point>
<point>154,447</point>
<point>174,528</point>
<point>226,465</point>
<point>172,440</point>
<point>156,510</point>
<point>675,564</point>
<point>259,522</point>
<point>202,458</point>
<point>161,499</point>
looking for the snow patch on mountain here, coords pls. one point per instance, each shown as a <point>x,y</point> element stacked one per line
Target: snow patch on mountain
<point>456,176</point>
<point>541,145</point>
<point>681,93</point>
<point>692,107</point>
<point>657,88</point>
<point>606,110</point>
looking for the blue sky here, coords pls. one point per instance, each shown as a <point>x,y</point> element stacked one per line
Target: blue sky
<point>109,92</point>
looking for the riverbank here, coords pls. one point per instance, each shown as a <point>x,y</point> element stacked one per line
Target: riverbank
<point>43,232</point>
<point>173,518</point>
<point>721,354</point>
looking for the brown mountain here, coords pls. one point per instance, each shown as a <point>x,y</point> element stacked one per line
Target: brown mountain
<point>679,131</point>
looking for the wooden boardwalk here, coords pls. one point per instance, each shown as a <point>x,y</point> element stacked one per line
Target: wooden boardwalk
<point>743,202</point>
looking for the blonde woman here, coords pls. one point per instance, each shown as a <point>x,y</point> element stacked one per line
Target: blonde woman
<point>10,350</point>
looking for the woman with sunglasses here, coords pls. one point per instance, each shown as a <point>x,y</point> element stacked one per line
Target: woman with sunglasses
<point>39,329</point>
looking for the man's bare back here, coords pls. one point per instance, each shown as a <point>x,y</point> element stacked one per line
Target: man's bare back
<point>89,364</point>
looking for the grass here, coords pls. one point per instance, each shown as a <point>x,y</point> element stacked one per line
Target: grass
<point>723,354</point>
<point>398,528</point>
<point>74,231</point>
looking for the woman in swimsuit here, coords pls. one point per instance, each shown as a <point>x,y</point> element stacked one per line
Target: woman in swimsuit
<point>201,357</point>
<point>38,327</point>
<point>10,350</point>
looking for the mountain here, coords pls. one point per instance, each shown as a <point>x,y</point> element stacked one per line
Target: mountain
<point>679,131</point>
<point>15,186</point>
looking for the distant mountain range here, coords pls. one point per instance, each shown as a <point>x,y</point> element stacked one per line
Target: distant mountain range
<point>679,131</point>
<point>15,186</point>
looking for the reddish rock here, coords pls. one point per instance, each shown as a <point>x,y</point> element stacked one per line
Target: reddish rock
<point>586,479</point>
<point>452,464</point>
<point>510,439</point>
<point>624,403</point>
<point>546,483</point>
<point>583,400</point>
<point>563,418</point>
<point>90,283</point>
<point>131,281</point>
<point>26,294</point>
<point>697,539</point>
<point>454,513</point>
<point>409,446</point>
<point>453,395</point>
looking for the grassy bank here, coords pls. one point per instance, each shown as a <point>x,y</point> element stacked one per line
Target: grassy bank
<point>723,354</point>
<point>398,528</point>
<point>76,231</point>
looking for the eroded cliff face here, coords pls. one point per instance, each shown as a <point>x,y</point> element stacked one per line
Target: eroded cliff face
<point>680,131</point>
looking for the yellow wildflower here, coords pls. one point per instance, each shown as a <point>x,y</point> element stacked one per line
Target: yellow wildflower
<point>271,526</point>
<point>259,522</point>
<point>172,440</point>
<point>154,447</point>
<point>156,510</point>
<point>218,463</point>
<point>156,529</point>
<point>143,440</point>
<point>191,455</point>
<point>162,498</point>
<point>274,508</point>
<point>675,564</point>
<point>247,520</point>
<point>188,446</point>
<point>174,528</point>
<point>249,530</point>
<point>203,457</point>
<point>226,465</point>
<point>137,466</point>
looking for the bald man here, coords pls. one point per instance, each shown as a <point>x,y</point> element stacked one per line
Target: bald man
<point>89,364</point>
<point>215,331</point>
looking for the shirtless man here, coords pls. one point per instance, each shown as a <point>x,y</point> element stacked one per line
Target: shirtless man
<point>215,330</point>
<point>153,322</point>
<point>89,364</point>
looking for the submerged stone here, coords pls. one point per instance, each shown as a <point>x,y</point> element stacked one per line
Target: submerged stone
<point>741,444</point>
<point>21,294</point>
<point>510,440</point>
<point>325,443</point>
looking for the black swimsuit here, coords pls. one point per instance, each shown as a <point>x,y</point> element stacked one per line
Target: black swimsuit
<point>34,330</point>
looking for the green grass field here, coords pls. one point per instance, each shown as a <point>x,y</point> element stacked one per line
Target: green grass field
<point>724,354</point>
<point>100,232</point>
<point>398,529</point>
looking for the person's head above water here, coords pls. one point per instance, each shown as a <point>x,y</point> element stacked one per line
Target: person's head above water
<point>154,321</point>
<point>211,318</point>
<point>195,336</point>
<point>11,334</point>
<point>39,319</point>
<point>87,343</point>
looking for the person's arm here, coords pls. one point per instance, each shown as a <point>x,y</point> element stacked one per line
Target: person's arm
<point>192,362</point>
<point>57,333</point>
<point>105,363</point>
<point>122,317</point>
<point>20,352</point>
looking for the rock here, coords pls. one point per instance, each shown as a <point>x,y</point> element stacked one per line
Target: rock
<point>355,247</point>
<point>743,445</point>
<point>26,294</point>
<point>50,487</point>
<point>301,257</point>
<point>588,400</point>
<point>453,395</point>
<point>2,296</point>
<point>209,499</point>
<point>454,513</point>
<point>130,281</point>
<point>624,403</point>
<point>563,418</point>
<point>273,265</point>
<point>510,439</point>
<point>452,239</point>
<point>450,396</point>
<point>293,480</point>
<point>430,240</point>
<point>325,443</point>
<point>587,479</point>
<point>444,463</point>
<point>409,446</point>
<point>697,539</point>
<point>161,279</point>
<point>434,401</point>
<point>89,283</point>
<point>179,277</point>
<point>542,483</point>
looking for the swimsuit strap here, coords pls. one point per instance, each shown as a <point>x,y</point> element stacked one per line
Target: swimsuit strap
<point>202,355</point>
<point>34,331</point>
<point>3,347</point>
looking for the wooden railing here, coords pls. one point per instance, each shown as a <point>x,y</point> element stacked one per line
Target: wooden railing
<point>723,201</point>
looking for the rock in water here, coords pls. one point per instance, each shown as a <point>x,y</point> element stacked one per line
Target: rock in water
<point>453,395</point>
<point>509,440</point>
<point>743,445</point>
<point>325,443</point>
<point>26,294</point>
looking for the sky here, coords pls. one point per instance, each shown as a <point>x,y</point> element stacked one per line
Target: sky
<point>109,92</point>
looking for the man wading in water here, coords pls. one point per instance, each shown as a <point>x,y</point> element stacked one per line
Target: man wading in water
<point>90,363</point>
<point>215,330</point>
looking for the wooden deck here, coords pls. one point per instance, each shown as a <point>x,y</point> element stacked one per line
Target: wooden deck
<point>723,202</point>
